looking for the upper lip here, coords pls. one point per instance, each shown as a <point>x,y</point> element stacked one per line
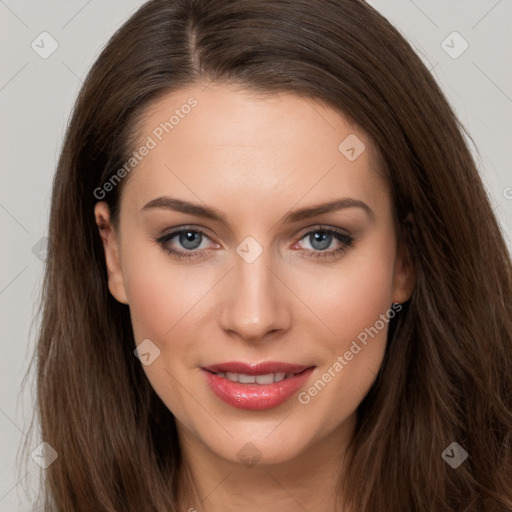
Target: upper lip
<point>256,368</point>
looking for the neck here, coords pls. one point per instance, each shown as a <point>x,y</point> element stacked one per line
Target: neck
<point>210,483</point>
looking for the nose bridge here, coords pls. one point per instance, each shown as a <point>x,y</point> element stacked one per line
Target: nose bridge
<point>255,305</point>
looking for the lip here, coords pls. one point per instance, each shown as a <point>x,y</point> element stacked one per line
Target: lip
<point>256,396</point>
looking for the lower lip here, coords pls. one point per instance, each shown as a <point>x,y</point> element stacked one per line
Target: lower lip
<point>256,397</point>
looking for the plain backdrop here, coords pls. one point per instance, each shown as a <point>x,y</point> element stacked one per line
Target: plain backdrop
<point>36,97</point>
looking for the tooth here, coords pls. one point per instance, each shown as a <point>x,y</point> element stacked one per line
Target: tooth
<point>246,379</point>
<point>268,378</point>
<point>232,376</point>
<point>265,379</point>
<point>279,376</point>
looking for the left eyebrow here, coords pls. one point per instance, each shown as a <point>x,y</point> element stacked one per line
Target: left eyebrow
<point>179,205</point>
<point>338,204</point>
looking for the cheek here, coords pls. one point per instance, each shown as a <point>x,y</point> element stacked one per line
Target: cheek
<point>163,301</point>
<point>355,304</point>
<point>161,293</point>
<point>354,295</point>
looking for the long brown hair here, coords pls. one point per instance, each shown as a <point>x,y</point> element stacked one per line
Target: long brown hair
<point>447,372</point>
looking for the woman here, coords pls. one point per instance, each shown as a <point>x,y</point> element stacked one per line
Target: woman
<point>274,278</point>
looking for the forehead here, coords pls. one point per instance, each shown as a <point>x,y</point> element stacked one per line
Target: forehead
<point>221,142</point>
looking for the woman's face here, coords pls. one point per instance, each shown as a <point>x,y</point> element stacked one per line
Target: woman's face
<point>225,254</point>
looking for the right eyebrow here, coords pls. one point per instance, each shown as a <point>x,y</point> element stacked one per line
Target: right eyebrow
<point>178,205</point>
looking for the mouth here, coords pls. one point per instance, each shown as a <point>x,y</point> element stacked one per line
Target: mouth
<point>256,386</point>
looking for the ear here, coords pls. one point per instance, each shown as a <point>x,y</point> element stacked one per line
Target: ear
<point>110,240</point>
<point>404,275</point>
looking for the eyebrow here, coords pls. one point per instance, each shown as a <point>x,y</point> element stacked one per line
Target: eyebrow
<point>178,205</point>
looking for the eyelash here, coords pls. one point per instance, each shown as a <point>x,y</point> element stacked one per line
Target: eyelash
<point>341,236</point>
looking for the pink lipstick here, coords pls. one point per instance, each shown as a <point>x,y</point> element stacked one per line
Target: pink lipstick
<point>256,386</point>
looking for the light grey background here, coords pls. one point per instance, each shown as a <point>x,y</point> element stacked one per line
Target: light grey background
<point>36,97</point>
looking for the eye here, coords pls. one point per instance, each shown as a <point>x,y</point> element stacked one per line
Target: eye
<point>189,239</point>
<point>188,243</point>
<point>322,238</point>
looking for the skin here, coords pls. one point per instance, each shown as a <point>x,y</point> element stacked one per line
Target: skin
<point>254,159</point>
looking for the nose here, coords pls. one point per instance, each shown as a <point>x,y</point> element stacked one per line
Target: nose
<point>255,300</point>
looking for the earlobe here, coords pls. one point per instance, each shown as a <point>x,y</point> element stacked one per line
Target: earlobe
<point>110,242</point>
